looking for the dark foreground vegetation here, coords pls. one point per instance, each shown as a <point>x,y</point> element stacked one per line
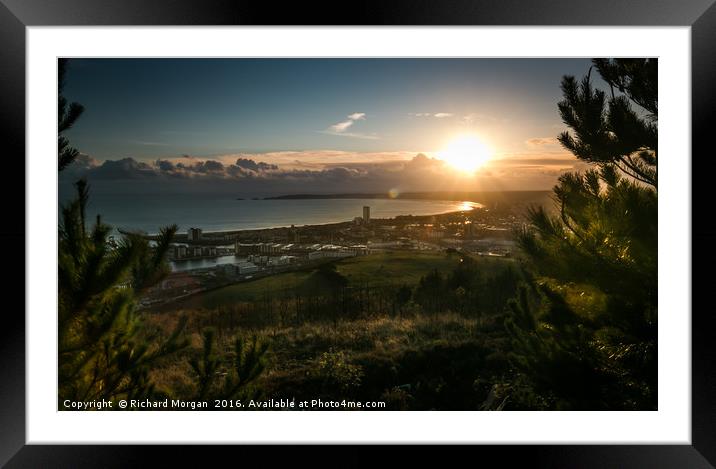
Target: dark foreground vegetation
<point>434,344</point>
<point>571,324</point>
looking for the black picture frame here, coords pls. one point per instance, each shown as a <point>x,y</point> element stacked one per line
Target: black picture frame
<point>700,15</point>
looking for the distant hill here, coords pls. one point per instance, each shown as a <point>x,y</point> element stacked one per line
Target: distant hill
<point>485,198</point>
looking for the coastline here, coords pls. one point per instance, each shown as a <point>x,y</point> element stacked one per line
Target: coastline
<point>480,197</point>
<point>334,224</point>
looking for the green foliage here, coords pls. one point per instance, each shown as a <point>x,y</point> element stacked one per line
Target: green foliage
<point>227,377</point>
<point>605,236</point>
<point>559,353</point>
<point>609,131</point>
<point>603,239</point>
<point>637,78</point>
<point>206,368</point>
<point>325,280</point>
<point>336,372</point>
<point>105,349</point>
<point>68,113</point>
<point>397,398</point>
<point>402,296</point>
<point>104,352</point>
<point>377,270</point>
<point>430,293</point>
<point>473,287</point>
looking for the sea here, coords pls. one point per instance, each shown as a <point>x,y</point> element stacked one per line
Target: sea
<point>212,213</point>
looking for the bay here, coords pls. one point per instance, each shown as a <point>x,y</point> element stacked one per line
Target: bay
<point>212,212</point>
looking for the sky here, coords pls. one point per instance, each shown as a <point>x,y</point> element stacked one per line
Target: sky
<point>290,125</point>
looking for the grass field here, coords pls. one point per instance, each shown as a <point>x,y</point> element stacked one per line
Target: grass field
<point>366,359</point>
<point>395,267</point>
<point>360,346</point>
<point>384,268</point>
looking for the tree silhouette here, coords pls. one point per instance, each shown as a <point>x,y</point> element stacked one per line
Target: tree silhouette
<point>68,113</point>
<point>402,296</point>
<point>213,382</point>
<point>104,352</point>
<point>594,299</point>
<point>609,131</point>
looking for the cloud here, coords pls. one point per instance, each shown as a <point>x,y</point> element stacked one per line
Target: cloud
<point>422,161</point>
<point>131,169</point>
<point>126,168</point>
<point>254,166</point>
<point>476,117</point>
<point>437,115</point>
<point>86,161</point>
<point>541,141</point>
<point>151,144</point>
<point>353,135</point>
<point>318,159</point>
<point>181,132</point>
<point>165,165</point>
<point>80,166</point>
<point>467,119</point>
<point>323,171</point>
<point>341,127</point>
<point>209,166</point>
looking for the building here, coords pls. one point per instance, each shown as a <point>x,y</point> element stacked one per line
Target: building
<point>359,249</point>
<point>270,248</point>
<point>258,259</point>
<point>241,249</point>
<point>332,254</point>
<point>242,268</point>
<point>293,236</point>
<point>208,251</point>
<point>179,251</point>
<point>228,269</point>
<point>246,268</point>
<point>404,242</point>
<point>193,234</point>
<point>280,261</point>
<point>366,214</point>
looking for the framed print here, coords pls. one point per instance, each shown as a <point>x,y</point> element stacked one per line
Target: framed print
<point>413,225</point>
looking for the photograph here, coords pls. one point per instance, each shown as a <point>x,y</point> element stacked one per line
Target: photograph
<point>417,224</point>
<point>362,234</point>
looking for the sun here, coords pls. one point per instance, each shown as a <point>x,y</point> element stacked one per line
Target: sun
<point>466,153</point>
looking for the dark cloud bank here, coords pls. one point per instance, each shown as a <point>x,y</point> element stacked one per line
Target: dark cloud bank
<point>249,177</point>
